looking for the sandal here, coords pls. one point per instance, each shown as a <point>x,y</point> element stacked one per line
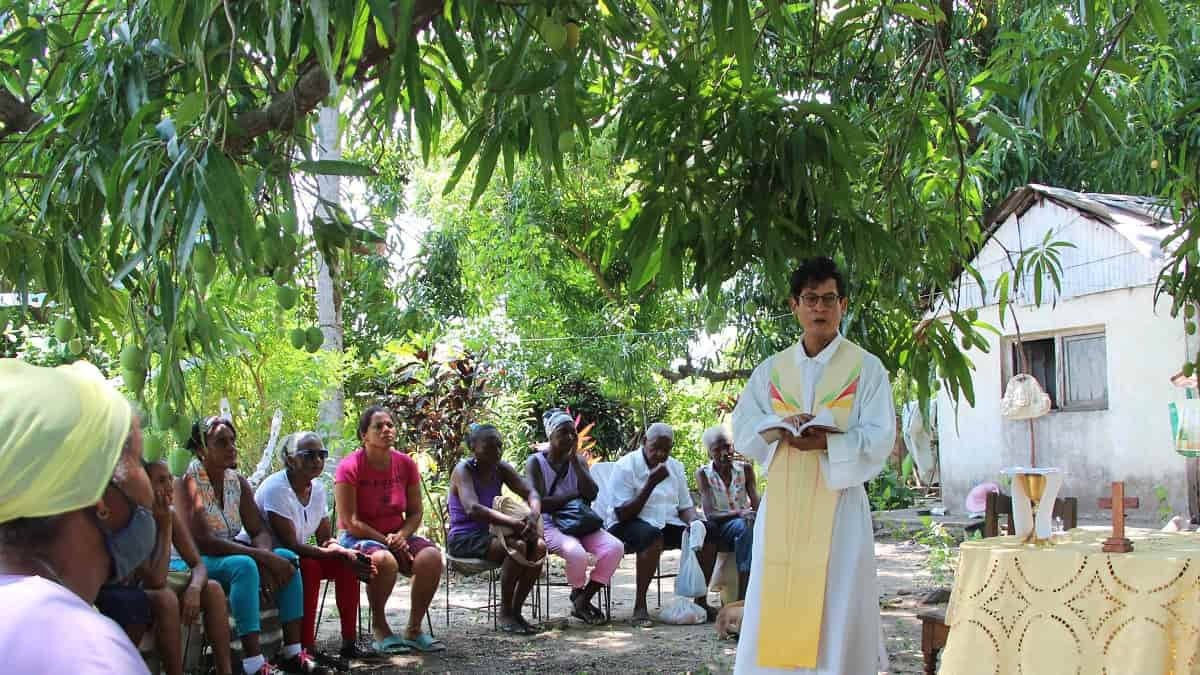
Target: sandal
<point>512,628</point>
<point>424,643</point>
<point>641,621</point>
<point>527,628</point>
<point>393,645</point>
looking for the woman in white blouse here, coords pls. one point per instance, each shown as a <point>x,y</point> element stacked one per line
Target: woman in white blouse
<point>295,506</point>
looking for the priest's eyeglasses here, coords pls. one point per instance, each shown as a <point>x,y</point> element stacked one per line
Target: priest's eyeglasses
<point>827,300</point>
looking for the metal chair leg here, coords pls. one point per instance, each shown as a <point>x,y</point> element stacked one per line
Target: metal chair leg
<point>321,607</point>
<point>658,582</point>
<point>493,603</point>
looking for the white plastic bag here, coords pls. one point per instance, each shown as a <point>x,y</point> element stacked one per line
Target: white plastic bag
<point>690,582</point>
<point>682,612</point>
<point>1024,399</point>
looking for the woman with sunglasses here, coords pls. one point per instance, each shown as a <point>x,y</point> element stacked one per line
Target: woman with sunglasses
<point>295,507</point>
<point>215,501</point>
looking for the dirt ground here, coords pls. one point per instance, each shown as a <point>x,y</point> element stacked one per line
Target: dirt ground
<point>568,646</point>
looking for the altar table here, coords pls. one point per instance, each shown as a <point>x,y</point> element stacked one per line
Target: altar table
<point>1071,608</point>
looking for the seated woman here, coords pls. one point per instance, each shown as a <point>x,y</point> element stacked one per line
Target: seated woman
<point>560,475</point>
<point>294,506</point>
<point>215,518</point>
<point>74,512</point>
<point>474,484</point>
<point>378,495</point>
<point>730,499</point>
<point>168,590</point>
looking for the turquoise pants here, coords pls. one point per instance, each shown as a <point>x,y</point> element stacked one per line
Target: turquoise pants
<point>238,575</point>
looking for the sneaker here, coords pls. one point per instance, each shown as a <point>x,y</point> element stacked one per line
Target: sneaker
<point>355,651</point>
<point>301,663</point>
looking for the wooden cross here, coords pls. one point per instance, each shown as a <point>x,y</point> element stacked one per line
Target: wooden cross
<point>1117,543</point>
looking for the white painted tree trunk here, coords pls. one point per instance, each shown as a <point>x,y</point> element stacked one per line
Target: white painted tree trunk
<point>329,297</point>
<point>264,463</point>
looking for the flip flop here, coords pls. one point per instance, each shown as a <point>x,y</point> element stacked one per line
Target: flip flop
<point>393,645</point>
<point>424,643</point>
<point>526,627</point>
<point>641,622</point>
<point>512,628</point>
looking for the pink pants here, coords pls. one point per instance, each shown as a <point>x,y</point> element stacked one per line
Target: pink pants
<point>608,551</point>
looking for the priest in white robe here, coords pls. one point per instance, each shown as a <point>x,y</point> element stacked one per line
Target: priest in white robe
<point>813,601</point>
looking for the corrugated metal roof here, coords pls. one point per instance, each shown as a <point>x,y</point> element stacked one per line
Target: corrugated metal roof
<point>1144,221</point>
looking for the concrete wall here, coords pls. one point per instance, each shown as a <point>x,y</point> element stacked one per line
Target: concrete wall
<point>1130,441</point>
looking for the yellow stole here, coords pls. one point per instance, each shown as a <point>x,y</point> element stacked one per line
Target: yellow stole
<point>799,524</point>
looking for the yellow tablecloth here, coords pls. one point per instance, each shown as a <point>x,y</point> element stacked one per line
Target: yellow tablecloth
<point>1072,608</point>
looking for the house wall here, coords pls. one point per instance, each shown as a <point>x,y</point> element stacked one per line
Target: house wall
<point>1130,440</point>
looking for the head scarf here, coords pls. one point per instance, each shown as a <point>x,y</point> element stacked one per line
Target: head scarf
<point>659,430</point>
<point>714,434</point>
<point>555,418</point>
<point>61,433</point>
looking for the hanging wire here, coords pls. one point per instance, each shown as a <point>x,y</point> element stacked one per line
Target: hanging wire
<point>624,336</point>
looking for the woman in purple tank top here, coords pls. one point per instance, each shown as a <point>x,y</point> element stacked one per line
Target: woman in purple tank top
<point>474,484</point>
<point>561,468</point>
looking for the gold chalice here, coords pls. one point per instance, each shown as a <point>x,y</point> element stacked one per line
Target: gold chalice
<point>1034,485</point>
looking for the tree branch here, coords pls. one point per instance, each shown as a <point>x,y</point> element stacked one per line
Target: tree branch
<point>15,114</point>
<point>597,273</point>
<point>1112,44</point>
<point>313,85</point>
<point>688,370</point>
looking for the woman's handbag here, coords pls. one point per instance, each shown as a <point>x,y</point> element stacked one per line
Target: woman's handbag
<point>576,517</point>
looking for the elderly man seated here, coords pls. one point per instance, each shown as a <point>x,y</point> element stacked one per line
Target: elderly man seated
<point>730,498</point>
<point>649,507</point>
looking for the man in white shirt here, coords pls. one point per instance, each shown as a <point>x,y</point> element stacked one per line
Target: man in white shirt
<point>650,507</point>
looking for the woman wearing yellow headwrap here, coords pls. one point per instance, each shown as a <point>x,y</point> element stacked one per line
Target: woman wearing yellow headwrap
<point>74,513</point>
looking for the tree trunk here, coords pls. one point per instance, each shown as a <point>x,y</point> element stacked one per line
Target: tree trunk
<point>329,297</point>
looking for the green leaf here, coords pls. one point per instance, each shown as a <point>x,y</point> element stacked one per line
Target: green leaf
<point>1119,66</point>
<point>382,11</point>
<point>536,81</point>
<point>189,108</point>
<point>319,12</point>
<point>487,165</point>
<point>719,10</point>
<point>850,14</point>
<point>919,13</point>
<point>224,197</point>
<point>999,124</point>
<point>1002,288</point>
<point>467,148</point>
<point>743,40</point>
<point>1158,19</point>
<point>454,50</point>
<point>335,167</point>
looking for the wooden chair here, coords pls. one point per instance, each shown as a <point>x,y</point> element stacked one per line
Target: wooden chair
<point>1066,508</point>
<point>934,630</point>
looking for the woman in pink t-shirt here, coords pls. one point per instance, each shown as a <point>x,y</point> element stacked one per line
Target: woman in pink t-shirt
<point>378,496</point>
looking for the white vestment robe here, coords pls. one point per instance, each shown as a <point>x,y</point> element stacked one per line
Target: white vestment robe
<point>851,632</point>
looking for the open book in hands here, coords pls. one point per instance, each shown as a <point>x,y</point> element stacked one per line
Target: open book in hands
<point>797,425</point>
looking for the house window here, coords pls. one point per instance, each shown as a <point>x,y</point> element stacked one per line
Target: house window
<point>1071,366</point>
<point>1039,359</point>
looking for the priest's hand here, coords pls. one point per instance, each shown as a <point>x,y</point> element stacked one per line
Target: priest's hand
<point>810,440</point>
